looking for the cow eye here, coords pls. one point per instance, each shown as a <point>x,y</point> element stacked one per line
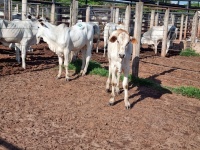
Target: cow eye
<point>117,41</point>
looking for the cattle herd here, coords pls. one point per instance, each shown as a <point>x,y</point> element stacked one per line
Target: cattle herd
<point>63,40</point>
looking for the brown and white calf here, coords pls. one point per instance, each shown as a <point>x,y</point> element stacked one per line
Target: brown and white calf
<point>119,56</point>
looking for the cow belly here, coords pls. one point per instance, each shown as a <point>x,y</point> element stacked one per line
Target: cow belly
<point>12,35</point>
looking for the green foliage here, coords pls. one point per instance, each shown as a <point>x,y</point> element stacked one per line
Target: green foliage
<point>189,52</point>
<point>187,91</point>
<point>99,71</point>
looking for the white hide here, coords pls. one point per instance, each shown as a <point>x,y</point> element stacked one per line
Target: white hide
<point>119,56</point>
<point>62,40</point>
<point>20,33</point>
<point>108,29</point>
<point>155,35</point>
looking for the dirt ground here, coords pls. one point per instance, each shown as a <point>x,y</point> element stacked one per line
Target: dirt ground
<point>38,112</point>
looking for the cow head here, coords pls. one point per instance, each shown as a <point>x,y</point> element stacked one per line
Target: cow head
<point>40,32</point>
<point>122,39</point>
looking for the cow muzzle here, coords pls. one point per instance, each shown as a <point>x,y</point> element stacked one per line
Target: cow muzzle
<point>121,55</point>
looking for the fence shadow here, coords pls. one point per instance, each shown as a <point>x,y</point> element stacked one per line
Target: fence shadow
<point>8,145</point>
<point>148,87</point>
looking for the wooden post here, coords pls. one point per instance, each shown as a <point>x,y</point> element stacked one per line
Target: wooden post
<point>7,10</point>
<point>194,28</point>
<point>10,9</point>
<point>111,14</point>
<point>42,12</point>
<point>116,15</point>
<point>38,11</point>
<point>198,35</point>
<point>47,12</point>
<point>156,19</point>
<point>152,18</point>
<point>16,9</point>
<point>137,35</point>
<point>185,28</point>
<point>87,14</point>
<point>181,28</point>
<point>24,9</point>
<point>73,12</point>
<point>53,9</point>
<point>127,17</point>
<point>172,19</point>
<point>164,41</point>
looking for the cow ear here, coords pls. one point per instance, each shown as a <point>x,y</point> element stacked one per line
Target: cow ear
<point>133,40</point>
<point>43,25</point>
<point>113,39</point>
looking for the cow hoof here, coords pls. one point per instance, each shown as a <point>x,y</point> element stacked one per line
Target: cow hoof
<point>128,107</point>
<point>58,77</point>
<point>107,90</point>
<point>111,104</point>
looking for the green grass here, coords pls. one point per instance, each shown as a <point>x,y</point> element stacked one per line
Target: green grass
<point>187,91</point>
<point>95,68</point>
<point>189,52</point>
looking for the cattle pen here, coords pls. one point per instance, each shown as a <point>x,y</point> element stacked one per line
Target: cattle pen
<point>138,17</point>
<point>40,111</point>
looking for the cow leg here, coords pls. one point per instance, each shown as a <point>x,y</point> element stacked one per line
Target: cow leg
<point>105,46</point>
<point>87,57</point>
<point>17,53</point>
<point>168,44</point>
<point>83,61</point>
<point>66,63</point>
<point>97,49</point>
<point>156,48</point>
<point>23,55</point>
<point>109,77</point>
<point>114,82</point>
<point>117,85</point>
<point>60,61</point>
<point>125,87</point>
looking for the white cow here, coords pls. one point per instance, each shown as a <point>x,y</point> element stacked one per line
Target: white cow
<point>96,33</point>
<point>62,40</point>
<point>108,29</point>
<point>155,35</point>
<point>20,33</point>
<point>119,56</point>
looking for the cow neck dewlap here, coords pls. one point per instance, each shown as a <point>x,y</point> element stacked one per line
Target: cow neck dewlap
<point>53,46</point>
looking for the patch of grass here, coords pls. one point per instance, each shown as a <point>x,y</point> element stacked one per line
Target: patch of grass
<point>187,91</point>
<point>189,52</point>
<point>99,71</point>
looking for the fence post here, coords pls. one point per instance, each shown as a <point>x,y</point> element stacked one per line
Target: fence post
<point>185,28</point>
<point>172,19</point>
<point>164,41</point>
<point>137,35</point>
<point>181,28</point>
<point>127,17</point>
<point>73,12</point>
<point>38,11</point>
<point>194,28</point>
<point>198,35</point>
<point>53,8</point>
<point>156,19</point>
<point>7,9</point>
<point>24,9</point>
<point>152,18</point>
<point>87,14</point>
<point>116,15</point>
<point>111,14</point>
